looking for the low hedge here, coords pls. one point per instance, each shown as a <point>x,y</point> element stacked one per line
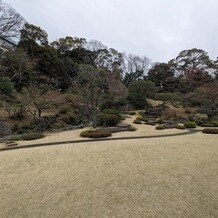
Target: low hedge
<point>27,137</point>
<point>180,127</point>
<point>95,134</point>
<point>32,136</point>
<point>131,129</point>
<point>137,121</point>
<point>207,125</point>
<point>143,119</point>
<point>160,127</point>
<point>190,124</point>
<point>210,131</point>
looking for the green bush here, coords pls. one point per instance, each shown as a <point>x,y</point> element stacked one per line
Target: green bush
<point>15,138</point>
<point>207,110</point>
<point>187,111</point>
<point>32,136</point>
<point>6,86</point>
<point>63,110</point>
<point>190,124</point>
<point>215,123</point>
<point>136,121</point>
<point>114,112</point>
<point>207,125</point>
<point>95,134</point>
<point>142,119</point>
<point>131,129</point>
<point>179,127</point>
<point>107,120</point>
<point>210,131</point>
<point>139,91</point>
<point>131,113</point>
<point>160,127</point>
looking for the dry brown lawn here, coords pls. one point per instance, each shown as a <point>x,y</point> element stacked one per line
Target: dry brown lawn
<point>165,177</point>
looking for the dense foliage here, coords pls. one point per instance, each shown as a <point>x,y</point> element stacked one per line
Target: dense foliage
<point>94,82</point>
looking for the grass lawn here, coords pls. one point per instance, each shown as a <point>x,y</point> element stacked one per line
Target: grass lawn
<point>165,177</point>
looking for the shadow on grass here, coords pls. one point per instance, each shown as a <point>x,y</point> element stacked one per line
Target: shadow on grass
<point>189,132</point>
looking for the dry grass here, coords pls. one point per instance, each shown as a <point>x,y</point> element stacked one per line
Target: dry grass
<point>167,177</point>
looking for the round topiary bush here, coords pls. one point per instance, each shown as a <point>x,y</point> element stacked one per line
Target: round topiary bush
<point>107,120</point>
<point>137,121</point>
<point>190,124</point>
<point>160,127</point>
<point>210,131</point>
<point>131,129</point>
<point>180,127</point>
<point>143,119</point>
<point>32,136</point>
<point>100,133</point>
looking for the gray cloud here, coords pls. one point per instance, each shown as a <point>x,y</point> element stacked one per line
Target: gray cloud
<point>159,29</point>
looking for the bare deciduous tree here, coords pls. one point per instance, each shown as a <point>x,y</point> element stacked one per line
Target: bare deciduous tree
<point>134,67</point>
<point>10,21</point>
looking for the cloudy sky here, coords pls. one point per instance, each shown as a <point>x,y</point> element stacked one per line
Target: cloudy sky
<point>159,29</point>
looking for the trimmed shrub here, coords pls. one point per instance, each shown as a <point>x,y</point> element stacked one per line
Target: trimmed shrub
<point>210,131</point>
<point>95,134</point>
<point>180,127</point>
<point>142,119</point>
<point>15,137</point>
<point>160,127</point>
<point>215,123</point>
<point>114,112</point>
<point>159,121</point>
<point>137,121</point>
<point>107,120</point>
<point>132,113</point>
<point>131,129</point>
<point>207,125</point>
<point>190,124</point>
<point>32,136</point>
<point>187,111</point>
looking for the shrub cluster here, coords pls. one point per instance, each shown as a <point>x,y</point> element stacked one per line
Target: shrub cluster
<point>107,120</point>
<point>210,131</point>
<point>190,124</point>
<point>215,123</point>
<point>207,125</point>
<point>114,112</point>
<point>143,119</point>
<point>179,126</point>
<point>137,121</point>
<point>131,129</point>
<point>160,127</point>
<point>95,134</point>
<point>27,137</point>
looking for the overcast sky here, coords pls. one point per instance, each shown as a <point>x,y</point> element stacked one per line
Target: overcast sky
<point>159,29</point>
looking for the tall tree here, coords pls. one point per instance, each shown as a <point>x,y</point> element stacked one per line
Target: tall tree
<point>10,21</point>
<point>193,60</point>
<point>68,43</point>
<point>31,37</point>
<point>134,67</point>
<point>160,74</point>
